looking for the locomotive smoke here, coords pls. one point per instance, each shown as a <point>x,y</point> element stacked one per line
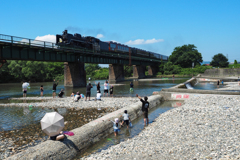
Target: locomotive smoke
<point>82,31</point>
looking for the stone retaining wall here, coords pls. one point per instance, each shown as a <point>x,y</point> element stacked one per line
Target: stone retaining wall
<point>84,136</point>
<point>222,72</point>
<point>200,91</point>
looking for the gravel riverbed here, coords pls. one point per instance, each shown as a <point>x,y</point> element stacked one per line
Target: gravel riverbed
<point>9,140</point>
<point>205,127</point>
<point>68,102</point>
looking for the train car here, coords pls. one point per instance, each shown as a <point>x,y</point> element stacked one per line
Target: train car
<point>142,53</point>
<point>154,55</point>
<point>165,58</point>
<point>104,46</point>
<point>117,47</point>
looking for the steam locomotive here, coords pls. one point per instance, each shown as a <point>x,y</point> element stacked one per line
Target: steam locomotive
<point>77,40</point>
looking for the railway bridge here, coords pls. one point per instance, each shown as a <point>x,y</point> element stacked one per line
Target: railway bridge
<point>17,48</point>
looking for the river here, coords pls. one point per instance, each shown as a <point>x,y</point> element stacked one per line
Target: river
<point>146,88</point>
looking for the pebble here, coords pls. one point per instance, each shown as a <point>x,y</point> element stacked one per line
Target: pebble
<point>7,146</point>
<point>203,128</point>
<point>67,102</point>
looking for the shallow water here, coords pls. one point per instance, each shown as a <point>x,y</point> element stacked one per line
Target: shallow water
<point>125,134</point>
<point>207,86</point>
<point>143,88</point>
<point>23,124</point>
<point>19,101</point>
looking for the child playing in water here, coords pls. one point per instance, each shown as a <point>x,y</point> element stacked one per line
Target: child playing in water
<point>126,118</point>
<point>115,126</point>
<point>131,86</point>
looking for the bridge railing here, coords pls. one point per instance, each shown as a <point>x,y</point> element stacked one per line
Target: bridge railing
<point>38,43</point>
<point>26,41</point>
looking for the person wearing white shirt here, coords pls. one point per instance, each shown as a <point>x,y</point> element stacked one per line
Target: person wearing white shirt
<point>105,88</point>
<point>126,118</point>
<point>98,97</point>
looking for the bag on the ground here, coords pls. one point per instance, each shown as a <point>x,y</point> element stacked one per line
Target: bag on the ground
<point>82,95</point>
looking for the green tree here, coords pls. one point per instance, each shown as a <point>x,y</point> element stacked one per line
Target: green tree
<point>161,67</point>
<point>35,71</point>
<point>128,71</point>
<point>4,72</point>
<point>102,73</point>
<point>219,60</point>
<point>15,69</point>
<point>185,56</point>
<point>54,70</point>
<point>90,69</point>
<point>235,62</point>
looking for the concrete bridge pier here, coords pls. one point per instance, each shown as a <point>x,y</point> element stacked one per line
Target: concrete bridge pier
<point>139,71</point>
<point>152,70</point>
<point>74,74</point>
<point>116,73</point>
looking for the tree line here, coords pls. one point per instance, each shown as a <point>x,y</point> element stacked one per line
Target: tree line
<point>34,71</point>
<point>180,62</point>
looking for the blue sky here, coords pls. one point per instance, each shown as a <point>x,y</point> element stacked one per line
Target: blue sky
<point>213,26</point>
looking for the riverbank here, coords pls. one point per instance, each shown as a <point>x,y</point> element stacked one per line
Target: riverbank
<point>19,140</point>
<point>85,136</point>
<point>205,127</point>
<point>233,86</point>
<point>67,102</point>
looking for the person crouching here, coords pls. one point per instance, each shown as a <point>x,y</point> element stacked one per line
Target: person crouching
<point>61,93</point>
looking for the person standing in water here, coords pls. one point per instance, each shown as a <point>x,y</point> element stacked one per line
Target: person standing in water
<point>145,108</point>
<point>115,126</point>
<point>105,88</point>
<point>98,87</point>
<point>126,118</point>
<point>41,90</point>
<point>54,88</point>
<point>218,82</point>
<point>131,86</point>
<point>24,90</point>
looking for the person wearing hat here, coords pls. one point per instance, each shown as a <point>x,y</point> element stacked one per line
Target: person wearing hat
<point>115,126</point>
<point>145,108</point>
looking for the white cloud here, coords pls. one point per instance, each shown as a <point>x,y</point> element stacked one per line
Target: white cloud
<point>47,38</point>
<point>39,41</point>
<point>115,41</point>
<point>99,36</point>
<point>142,41</point>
